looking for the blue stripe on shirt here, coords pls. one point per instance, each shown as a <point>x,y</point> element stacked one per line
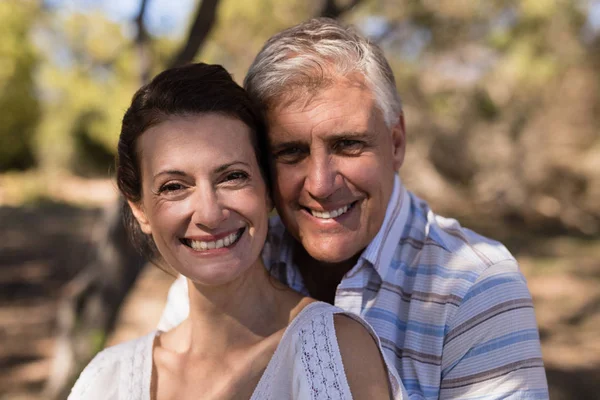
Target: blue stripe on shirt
<point>492,281</point>
<point>433,269</point>
<point>414,326</point>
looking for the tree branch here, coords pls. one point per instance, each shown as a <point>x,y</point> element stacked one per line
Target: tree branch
<point>201,27</point>
<point>141,42</point>
<point>89,304</point>
<point>142,32</point>
<point>330,8</point>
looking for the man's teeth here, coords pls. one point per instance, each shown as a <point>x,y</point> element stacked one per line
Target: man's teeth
<point>217,244</point>
<point>330,214</point>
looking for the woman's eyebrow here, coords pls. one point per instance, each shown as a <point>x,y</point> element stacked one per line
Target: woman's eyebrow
<point>169,172</point>
<point>228,165</point>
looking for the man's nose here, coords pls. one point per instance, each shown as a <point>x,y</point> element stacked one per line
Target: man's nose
<point>209,211</point>
<point>321,177</point>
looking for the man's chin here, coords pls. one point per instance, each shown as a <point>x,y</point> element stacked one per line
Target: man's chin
<point>332,253</point>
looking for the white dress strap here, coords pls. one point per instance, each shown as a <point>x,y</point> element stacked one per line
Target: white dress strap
<point>308,364</point>
<point>121,372</point>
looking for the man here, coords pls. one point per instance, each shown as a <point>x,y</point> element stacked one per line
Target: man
<point>451,308</point>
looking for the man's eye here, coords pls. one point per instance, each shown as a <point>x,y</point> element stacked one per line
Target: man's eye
<point>290,155</point>
<point>349,146</point>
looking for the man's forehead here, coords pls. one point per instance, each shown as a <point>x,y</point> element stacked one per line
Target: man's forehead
<point>299,93</point>
<point>325,116</point>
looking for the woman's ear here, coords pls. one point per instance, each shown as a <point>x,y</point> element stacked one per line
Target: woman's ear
<point>140,216</point>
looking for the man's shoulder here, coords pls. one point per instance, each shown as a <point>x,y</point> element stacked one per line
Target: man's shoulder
<point>436,256</point>
<point>445,266</point>
<point>467,243</point>
<point>442,238</point>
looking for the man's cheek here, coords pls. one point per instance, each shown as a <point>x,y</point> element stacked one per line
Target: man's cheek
<point>287,183</point>
<point>363,175</point>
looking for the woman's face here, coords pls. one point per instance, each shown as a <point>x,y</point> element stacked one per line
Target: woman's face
<point>204,200</point>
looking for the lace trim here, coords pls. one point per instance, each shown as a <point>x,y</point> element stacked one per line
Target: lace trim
<point>318,358</point>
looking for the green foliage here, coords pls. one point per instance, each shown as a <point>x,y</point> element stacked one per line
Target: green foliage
<point>243,27</point>
<point>97,340</point>
<point>510,85</point>
<point>20,108</point>
<point>485,105</point>
<point>87,91</point>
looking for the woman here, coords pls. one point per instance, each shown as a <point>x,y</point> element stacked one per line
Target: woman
<point>191,167</point>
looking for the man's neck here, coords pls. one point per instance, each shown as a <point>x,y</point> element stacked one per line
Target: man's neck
<point>321,279</point>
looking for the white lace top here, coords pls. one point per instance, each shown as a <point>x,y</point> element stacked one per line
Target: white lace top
<point>307,364</point>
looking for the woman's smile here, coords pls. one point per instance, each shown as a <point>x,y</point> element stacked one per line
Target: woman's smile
<point>208,244</point>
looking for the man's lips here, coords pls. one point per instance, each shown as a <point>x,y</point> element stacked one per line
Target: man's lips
<point>217,242</point>
<point>331,213</point>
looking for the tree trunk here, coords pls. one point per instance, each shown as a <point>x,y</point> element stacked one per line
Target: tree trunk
<point>141,41</point>
<point>89,304</point>
<point>330,8</point>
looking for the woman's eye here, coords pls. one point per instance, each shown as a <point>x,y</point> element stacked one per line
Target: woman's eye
<point>236,176</point>
<point>171,187</point>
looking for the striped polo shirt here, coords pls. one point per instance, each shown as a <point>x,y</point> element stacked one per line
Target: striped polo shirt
<point>451,308</point>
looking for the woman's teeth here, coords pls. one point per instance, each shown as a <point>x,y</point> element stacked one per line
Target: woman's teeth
<point>330,214</point>
<point>217,244</point>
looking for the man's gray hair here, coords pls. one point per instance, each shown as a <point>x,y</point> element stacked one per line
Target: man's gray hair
<point>308,57</point>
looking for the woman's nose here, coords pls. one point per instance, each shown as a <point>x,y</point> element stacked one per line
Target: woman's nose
<point>208,210</point>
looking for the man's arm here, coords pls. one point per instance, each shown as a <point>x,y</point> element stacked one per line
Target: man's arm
<point>492,348</point>
<point>178,305</point>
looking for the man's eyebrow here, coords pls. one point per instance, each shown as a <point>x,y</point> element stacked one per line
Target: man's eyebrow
<point>334,136</point>
<point>364,135</point>
<point>284,144</point>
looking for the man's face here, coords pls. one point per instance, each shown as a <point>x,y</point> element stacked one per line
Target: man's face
<point>334,166</point>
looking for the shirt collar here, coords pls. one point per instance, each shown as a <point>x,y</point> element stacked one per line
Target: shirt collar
<point>380,251</point>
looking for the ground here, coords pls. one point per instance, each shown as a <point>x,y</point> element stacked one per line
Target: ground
<point>44,244</point>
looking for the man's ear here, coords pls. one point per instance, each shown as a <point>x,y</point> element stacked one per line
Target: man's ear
<point>399,142</point>
<point>140,216</point>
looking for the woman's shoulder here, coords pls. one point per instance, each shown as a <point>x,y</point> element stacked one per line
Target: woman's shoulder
<point>324,317</point>
<point>103,374</point>
<point>338,350</point>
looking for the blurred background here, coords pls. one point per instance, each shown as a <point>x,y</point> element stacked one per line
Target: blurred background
<point>502,101</point>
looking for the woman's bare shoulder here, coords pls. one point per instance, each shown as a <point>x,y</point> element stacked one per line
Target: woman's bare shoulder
<point>363,361</point>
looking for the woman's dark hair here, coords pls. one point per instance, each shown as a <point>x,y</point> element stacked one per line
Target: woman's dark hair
<point>188,90</point>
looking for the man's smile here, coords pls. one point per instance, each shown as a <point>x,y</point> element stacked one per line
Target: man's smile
<point>332,212</point>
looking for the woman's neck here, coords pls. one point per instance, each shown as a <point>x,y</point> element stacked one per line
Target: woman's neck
<point>235,316</point>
